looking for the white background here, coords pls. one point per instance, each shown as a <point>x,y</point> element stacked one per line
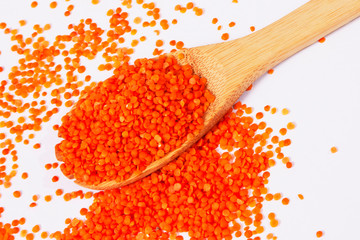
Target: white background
<point>320,86</point>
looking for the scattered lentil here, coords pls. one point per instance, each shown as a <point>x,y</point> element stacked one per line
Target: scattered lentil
<point>225,36</point>
<point>285,111</point>
<point>319,234</point>
<point>333,149</point>
<point>53,4</point>
<point>322,40</point>
<point>34,4</point>
<point>17,194</point>
<point>285,201</point>
<point>47,198</point>
<point>290,126</point>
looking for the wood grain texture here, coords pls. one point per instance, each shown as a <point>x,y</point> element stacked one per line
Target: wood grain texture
<point>231,67</point>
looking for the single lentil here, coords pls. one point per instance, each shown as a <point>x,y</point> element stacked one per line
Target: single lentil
<point>319,234</point>
<point>333,149</point>
<point>322,40</point>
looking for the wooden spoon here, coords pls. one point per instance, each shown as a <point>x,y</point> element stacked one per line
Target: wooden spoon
<point>231,67</point>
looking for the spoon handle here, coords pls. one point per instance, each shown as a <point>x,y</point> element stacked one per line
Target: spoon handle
<point>258,52</point>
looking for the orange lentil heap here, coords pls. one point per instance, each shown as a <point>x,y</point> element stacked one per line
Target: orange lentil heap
<point>203,192</point>
<point>128,121</point>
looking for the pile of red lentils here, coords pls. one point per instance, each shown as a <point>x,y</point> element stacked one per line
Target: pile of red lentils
<point>116,127</point>
<point>132,119</point>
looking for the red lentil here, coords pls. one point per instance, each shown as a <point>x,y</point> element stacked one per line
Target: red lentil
<point>47,198</point>
<point>22,22</point>
<point>33,204</point>
<point>289,165</point>
<point>34,4</point>
<point>159,43</point>
<point>277,196</point>
<point>290,126</point>
<point>17,194</point>
<point>285,201</point>
<point>48,166</point>
<point>24,175</point>
<point>322,40</point>
<point>225,36</point>
<point>319,234</point>
<point>37,146</point>
<point>285,111</point>
<point>36,229</point>
<point>44,235</point>
<point>53,4</point>
<point>30,236</point>
<point>179,45</point>
<point>59,192</point>
<point>333,149</point>
<point>137,20</point>
<point>269,197</point>
<point>198,11</point>
<point>283,131</point>
<point>259,115</point>
<point>55,179</point>
<point>35,198</point>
